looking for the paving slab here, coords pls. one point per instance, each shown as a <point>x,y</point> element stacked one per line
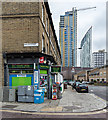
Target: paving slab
<point>80,102</point>
<point>71,101</point>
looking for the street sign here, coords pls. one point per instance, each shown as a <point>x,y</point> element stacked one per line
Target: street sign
<point>31,44</point>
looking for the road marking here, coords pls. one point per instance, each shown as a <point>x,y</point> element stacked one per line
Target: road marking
<point>91,90</point>
<point>36,113</point>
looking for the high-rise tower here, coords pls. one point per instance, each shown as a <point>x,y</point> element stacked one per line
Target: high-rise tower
<point>68,38</point>
<point>86,49</point>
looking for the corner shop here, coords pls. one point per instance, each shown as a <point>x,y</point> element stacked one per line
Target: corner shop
<point>20,70</point>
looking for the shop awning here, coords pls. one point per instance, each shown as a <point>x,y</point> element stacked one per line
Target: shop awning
<point>29,55</point>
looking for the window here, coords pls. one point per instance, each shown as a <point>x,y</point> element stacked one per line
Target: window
<point>100,73</point>
<point>42,44</point>
<point>104,73</point>
<point>42,13</point>
<point>46,48</point>
<point>47,24</point>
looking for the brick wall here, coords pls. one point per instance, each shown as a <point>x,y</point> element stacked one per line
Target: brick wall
<point>17,31</point>
<point>19,7</point>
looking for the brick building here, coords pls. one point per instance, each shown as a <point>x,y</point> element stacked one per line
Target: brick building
<point>27,34</point>
<point>96,74</point>
<point>71,73</point>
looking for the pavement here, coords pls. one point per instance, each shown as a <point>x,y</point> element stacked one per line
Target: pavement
<point>71,102</point>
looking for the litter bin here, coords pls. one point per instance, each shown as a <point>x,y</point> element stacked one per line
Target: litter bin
<point>65,85</point>
<point>38,96</point>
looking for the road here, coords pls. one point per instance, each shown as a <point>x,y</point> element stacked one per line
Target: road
<point>46,116</point>
<point>100,91</point>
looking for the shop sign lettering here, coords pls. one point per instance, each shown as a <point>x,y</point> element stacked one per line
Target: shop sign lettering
<point>21,75</point>
<point>55,68</point>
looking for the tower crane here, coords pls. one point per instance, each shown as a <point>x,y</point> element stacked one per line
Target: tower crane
<point>85,8</point>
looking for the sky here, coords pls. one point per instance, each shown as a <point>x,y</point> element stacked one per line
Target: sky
<point>85,19</point>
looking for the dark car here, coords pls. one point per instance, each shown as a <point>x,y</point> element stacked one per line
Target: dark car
<point>82,88</point>
<point>75,84</point>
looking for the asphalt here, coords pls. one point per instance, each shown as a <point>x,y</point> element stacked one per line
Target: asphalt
<point>100,91</point>
<point>71,102</point>
<point>53,116</point>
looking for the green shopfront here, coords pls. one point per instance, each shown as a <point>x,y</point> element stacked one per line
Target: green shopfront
<point>21,70</point>
<point>20,75</point>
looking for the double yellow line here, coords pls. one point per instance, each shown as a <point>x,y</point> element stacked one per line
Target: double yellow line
<point>37,113</point>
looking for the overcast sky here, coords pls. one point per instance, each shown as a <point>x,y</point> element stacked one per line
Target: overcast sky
<point>85,19</point>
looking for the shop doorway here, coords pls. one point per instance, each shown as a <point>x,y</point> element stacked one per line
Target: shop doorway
<point>44,82</point>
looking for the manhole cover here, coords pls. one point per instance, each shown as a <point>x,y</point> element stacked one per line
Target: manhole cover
<point>9,106</point>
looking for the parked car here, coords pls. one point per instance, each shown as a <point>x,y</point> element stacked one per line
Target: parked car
<point>91,83</point>
<point>71,82</point>
<point>75,84</point>
<point>84,82</point>
<point>82,88</point>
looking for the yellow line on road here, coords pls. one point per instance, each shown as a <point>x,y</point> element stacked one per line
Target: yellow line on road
<point>37,113</point>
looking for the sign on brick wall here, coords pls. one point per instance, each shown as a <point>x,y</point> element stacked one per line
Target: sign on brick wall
<point>30,44</point>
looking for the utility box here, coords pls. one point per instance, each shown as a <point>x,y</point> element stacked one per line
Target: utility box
<point>5,94</point>
<point>21,98</point>
<point>29,99</point>
<point>29,91</point>
<point>21,90</point>
<point>1,94</point>
<point>12,95</point>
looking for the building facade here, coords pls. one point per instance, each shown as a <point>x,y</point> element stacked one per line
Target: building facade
<point>95,74</point>
<point>86,49</point>
<point>99,58</point>
<point>70,73</point>
<point>27,35</point>
<point>68,38</point>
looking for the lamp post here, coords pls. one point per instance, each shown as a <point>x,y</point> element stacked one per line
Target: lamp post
<point>80,55</point>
